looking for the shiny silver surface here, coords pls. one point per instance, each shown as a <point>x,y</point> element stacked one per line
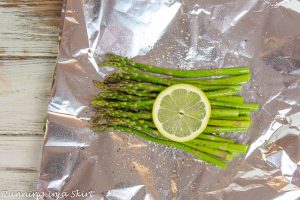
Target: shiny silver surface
<point>188,34</point>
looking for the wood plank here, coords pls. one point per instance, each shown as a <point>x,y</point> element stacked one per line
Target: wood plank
<point>20,162</point>
<point>28,50</point>
<point>24,93</point>
<point>31,28</point>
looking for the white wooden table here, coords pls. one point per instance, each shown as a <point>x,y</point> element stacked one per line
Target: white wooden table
<point>28,51</point>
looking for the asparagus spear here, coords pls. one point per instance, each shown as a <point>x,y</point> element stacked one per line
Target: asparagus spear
<point>232,80</point>
<point>149,128</point>
<point>137,75</point>
<point>118,77</point>
<point>208,88</point>
<point>120,94</point>
<point>146,127</point>
<point>114,95</point>
<point>223,146</point>
<point>215,138</point>
<point>242,111</point>
<point>147,105</point>
<point>221,93</point>
<point>114,111</point>
<point>228,123</point>
<point>228,98</point>
<point>178,72</point>
<point>215,114</point>
<point>218,130</point>
<point>110,112</point>
<point>200,155</point>
<point>216,152</point>
<point>133,85</point>
<point>225,155</point>
<point>238,118</point>
<point>142,90</point>
<point>138,124</point>
<point>128,90</point>
<point>235,105</point>
<point>138,105</point>
<point>221,113</point>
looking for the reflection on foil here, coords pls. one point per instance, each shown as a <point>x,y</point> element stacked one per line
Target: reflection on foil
<point>58,105</point>
<point>275,154</point>
<point>237,188</point>
<point>289,195</point>
<point>124,193</point>
<point>290,4</point>
<point>188,34</point>
<point>264,138</point>
<point>136,25</point>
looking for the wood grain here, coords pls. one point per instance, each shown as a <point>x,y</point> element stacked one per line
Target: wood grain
<point>29,28</point>
<point>25,95</point>
<point>28,51</point>
<point>20,162</point>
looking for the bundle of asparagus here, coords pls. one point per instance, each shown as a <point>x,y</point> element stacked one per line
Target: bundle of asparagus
<point>127,97</point>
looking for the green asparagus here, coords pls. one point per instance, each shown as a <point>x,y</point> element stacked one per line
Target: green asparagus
<point>202,156</point>
<point>137,75</point>
<point>127,96</point>
<point>178,72</point>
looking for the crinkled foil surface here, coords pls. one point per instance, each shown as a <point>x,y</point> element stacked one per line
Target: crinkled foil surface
<point>187,34</point>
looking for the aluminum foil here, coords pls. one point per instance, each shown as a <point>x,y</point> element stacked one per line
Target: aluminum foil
<point>187,34</point>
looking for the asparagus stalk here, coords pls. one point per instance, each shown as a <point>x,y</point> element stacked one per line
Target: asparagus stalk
<point>110,112</point>
<point>200,155</point>
<point>114,111</point>
<point>221,113</point>
<point>229,123</point>
<point>136,86</point>
<point>219,130</point>
<point>149,93</point>
<point>216,152</point>
<point>215,138</point>
<point>208,88</point>
<point>140,124</point>
<point>239,118</point>
<point>119,96</point>
<point>128,90</point>
<point>110,81</point>
<point>242,111</point>
<point>149,128</point>
<point>225,155</point>
<point>118,77</point>
<point>230,99</point>
<point>178,72</point>
<point>235,105</point>
<point>143,91</point>
<point>137,75</point>
<point>147,105</point>
<point>223,146</point>
<point>222,93</point>
<point>138,105</point>
<point>233,80</point>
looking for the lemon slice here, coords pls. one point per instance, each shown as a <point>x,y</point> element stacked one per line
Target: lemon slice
<point>181,112</point>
